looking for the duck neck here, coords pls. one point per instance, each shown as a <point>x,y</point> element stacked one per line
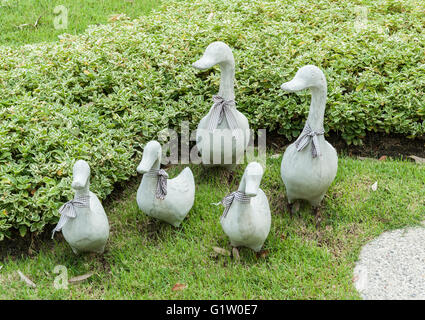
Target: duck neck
<point>83,192</point>
<point>226,90</point>
<point>152,179</point>
<point>242,187</point>
<point>317,107</point>
<point>157,164</point>
<point>242,184</point>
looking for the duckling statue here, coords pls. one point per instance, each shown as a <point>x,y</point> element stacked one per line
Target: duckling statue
<point>246,219</point>
<point>165,199</point>
<point>223,134</point>
<point>310,164</point>
<point>83,220</point>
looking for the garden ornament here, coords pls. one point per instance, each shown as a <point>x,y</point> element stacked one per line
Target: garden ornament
<point>309,165</point>
<point>83,220</point>
<point>223,134</point>
<point>158,196</point>
<point>246,218</point>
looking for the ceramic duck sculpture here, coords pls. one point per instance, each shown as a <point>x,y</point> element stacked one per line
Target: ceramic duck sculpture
<point>310,164</point>
<point>83,220</point>
<point>223,134</point>
<point>246,219</point>
<point>166,199</point>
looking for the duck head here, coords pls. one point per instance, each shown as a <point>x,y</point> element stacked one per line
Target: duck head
<point>151,156</point>
<point>81,175</point>
<point>251,179</point>
<point>216,53</point>
<point>306,77</point>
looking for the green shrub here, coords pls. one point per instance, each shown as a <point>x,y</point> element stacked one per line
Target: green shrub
<point>100,95</point>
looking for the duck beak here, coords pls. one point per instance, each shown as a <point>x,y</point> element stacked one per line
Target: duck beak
<point>146,164</point>
<point>80,180</point>
<point>294,85</point>
<point>204,63</point>
<point>252,185</point>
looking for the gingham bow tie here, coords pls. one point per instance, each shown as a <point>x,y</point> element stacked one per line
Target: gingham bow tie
<point>161,187</point>
<point>67,211</point>
<point>228,200</point>
<point>306,136</point>
<point>221,109</point>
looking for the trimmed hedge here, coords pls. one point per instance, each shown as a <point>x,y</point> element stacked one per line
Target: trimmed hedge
<point>99,96</point>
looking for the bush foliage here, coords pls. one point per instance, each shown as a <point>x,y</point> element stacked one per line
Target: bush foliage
<point>100,95</point>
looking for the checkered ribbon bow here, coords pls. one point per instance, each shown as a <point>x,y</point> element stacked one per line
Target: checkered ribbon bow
<point>228,200</point>
<point>67,211</point>
<point>221,109</point>
<point>161,187</point>
<point>304,139</point>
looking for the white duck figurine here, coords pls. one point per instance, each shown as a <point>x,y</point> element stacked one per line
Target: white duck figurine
<point>223,134</point>
<point>83,220</point>
<point>310,164</point>
<point>246,219</point>
<point>159,197</point>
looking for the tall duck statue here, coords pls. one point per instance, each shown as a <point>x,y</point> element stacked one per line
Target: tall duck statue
<point>165,199</point>
<point>83,220</point>
<point>310,164</point>
<point>223,134</point>
<point>246,218</point>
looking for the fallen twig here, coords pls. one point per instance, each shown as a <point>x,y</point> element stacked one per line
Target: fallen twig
<point>36,22</point>
<point>80,278</point>
<point>35,25</point>
<point>221,251</point>
<point>417,159</point>
<point>26,280</point>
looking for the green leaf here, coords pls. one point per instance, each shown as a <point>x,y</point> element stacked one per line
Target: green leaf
<point>22,231</point>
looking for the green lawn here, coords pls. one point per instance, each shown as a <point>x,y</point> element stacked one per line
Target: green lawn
<point>146,258</point>
<point>81,13</point>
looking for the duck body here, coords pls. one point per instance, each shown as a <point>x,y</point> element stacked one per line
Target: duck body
<point>222,143</point>
<point>214,145</point>
<point>83,221</point>
<point>248,225</point>
<point>247,220</point>
<point>178,195</point>
<point>308,178</point>
<point>178,202</point>
<point>89,231</point>
<point>309,165</point>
